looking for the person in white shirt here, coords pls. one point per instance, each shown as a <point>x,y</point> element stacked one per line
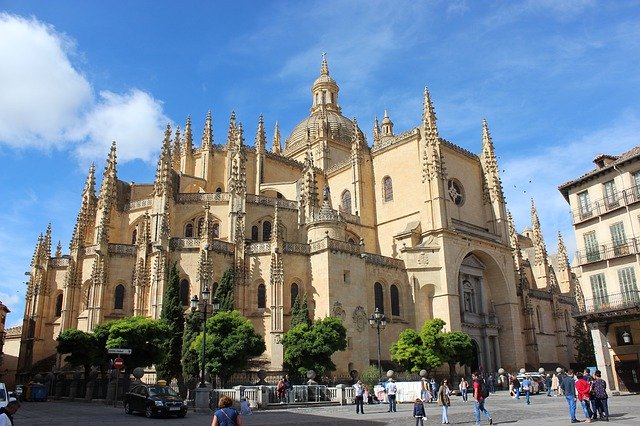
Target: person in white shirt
<point>391,388</point>
<point>6,416</point>
<point>358,390</point>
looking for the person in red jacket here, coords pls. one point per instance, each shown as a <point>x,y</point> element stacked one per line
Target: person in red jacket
<point>583,388</point>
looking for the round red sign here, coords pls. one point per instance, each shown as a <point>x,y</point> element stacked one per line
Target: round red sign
<point>118,363</point>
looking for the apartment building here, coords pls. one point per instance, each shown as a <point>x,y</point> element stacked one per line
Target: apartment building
<point>605,205</point>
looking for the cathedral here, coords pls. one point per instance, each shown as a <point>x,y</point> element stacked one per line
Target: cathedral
<point>412,225</point>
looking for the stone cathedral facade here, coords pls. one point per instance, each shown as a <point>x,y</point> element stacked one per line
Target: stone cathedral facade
<point>412,224</point>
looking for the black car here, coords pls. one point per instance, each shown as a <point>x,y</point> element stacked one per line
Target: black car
<point>154,400</point>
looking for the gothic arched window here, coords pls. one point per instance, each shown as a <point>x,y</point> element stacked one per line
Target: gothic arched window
<point>395,300</point>
<point>184,292</point>
<point>266,230</point>
<point>218,190</point>
<point>214,288</point>
<point>119,297</point>
<point>59,305</point>
<point>294,292</point>
<point>345,204</point>
<point>378,295</point>
<point>215,230</point>
<point>134,236</point>
<point>254,233</point>
<point>262,296</point>
<point>188,230</point>
<point>387,189</point>
<point>567,322</point>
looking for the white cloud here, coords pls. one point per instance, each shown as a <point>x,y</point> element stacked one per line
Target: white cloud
<point>134,120</point>
<point>41,93</point>
<point>45,102</point>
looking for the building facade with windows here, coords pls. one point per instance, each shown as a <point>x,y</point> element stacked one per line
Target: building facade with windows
<point>412,225</point>
<point>605,205</point>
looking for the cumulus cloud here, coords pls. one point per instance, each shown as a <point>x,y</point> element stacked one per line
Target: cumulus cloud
<point>46,102</point>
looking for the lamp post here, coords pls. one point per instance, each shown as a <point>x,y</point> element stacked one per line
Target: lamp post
<point>379,322</point>
<point>194,305</point>
<point>626,337</point>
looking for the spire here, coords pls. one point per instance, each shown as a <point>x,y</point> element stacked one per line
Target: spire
<point>515,245</point>
<point>175,151</point>
<point>231,135</point>
<point>87,209</point>
<point>37,253</point>
<point>376,132</point>
<point>207,133</point>
<point>187,144</point>
<point>261,138</point>
<point>387,126</point>
<point>356,139</point>
<point>47,242</point>
<point>324,68</point>
<point>163,171</point>
<point>538,241</point>
<point>276,145</point>
<point>276,231</point>
<point>109,178</point>
<point>490,165</point>
<point>429,115</point>
<point>563,260</point>
<point>59,249</point>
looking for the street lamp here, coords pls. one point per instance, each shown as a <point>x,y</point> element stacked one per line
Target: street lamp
<point>194,305</point>
<point>379,322</point>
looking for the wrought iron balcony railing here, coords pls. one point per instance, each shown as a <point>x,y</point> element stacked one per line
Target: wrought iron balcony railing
<point>606,204</point>
<point>611,302</point>
<point>607,251</point>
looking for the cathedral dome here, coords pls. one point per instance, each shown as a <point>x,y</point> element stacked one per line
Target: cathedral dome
<point>326,119</point>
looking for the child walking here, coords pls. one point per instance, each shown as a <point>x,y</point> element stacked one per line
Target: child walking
<point>418,412</point>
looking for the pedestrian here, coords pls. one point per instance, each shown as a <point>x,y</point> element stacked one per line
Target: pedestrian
<point>512,392</point>
<point>555,385</point>
<point>391,389</point>
<point>464,388</point>
<point>6,413</point>
<point>425,395</point>
<point>418,412</point>
<point>434,390</point>
<point>226,415</point>
<point>516,386</point>
<point>547,384</point>
<point>358,390</point>
<point>480,392</point>
<point>568,387</point>
<point>288,386</point>
<point>599,390</point>
<point>281,391</point>
<point>526,388</point>
<point>583,389</point>
<point>245,407</point>
<point>367,394</point>
<point>594,402</point>
<point>492,384</point>
<point>444,401</point>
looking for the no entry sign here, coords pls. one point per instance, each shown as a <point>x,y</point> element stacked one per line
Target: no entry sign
<point>118,363</point>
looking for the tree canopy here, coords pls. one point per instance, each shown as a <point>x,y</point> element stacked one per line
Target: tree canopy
<point>431,347</point>
<point>224,292</point>
<point>231,342</point>
<point>172,314</point>
<point>309,347</point>
<point>300,311</point>
<point>82,348</point>
<point>583,342</point>
<point>192,328</point>
<point>144,336</point>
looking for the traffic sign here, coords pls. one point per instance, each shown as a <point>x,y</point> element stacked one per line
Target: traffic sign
<point>118,363</point>
<point>119,351</point>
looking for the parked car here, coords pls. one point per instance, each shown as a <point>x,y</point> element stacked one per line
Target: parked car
<point>153,400</point>
<point>535,382</point>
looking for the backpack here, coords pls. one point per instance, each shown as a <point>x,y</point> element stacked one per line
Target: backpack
<point>483,390</point>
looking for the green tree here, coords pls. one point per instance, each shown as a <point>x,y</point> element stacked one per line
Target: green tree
<point>172,314</point>
<point>81,348</point>
<point>300,311</point>
<point>190,365</point>
<point>144,336</point>
<point>585,354</point>
<point>370,377</point>
<point>231,342</point>
<point>431,347</point>
<point>309,347</point>
<point>224,292</point>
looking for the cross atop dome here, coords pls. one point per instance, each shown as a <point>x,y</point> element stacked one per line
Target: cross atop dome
<point>324,68</point>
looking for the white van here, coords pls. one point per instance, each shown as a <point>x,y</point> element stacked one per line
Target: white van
<point>4,395</point>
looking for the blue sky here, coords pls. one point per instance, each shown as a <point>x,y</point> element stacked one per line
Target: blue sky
<point>557,81</point>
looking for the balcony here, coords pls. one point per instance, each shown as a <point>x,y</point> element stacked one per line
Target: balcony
<point>618,305</point>
<point>607,251</point>
<point>604,205</point>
